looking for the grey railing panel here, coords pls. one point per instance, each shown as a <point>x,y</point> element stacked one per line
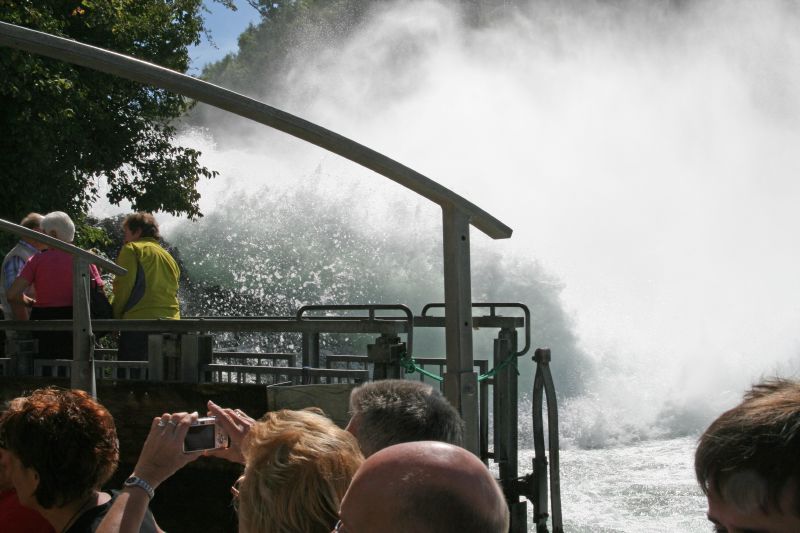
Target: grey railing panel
<point>144,72</point>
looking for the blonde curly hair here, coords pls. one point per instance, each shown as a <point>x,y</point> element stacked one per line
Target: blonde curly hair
<point>298,467</point>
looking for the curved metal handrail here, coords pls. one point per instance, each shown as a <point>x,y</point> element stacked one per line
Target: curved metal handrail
<point>52,242</point>
<point>543,384</point>
<point>492,312</point>
<point>144,72</point>
<point>371,308</point>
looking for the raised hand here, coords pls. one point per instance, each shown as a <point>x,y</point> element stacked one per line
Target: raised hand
<point>236,424</point>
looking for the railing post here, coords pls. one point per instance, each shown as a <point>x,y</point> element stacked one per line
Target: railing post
<point>82,369</point>
<point>506,424</point>
<point>460,380</point>
<point>385,354</point>
<point>155,357</point>
<point>311,350</point>
<point>196,352</point>
<point>20,353</point>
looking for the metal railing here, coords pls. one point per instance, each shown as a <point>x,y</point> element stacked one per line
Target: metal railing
<point>82,371</point>
<point>181,356</point>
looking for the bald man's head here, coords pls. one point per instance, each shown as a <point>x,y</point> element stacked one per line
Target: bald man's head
<point>426,487</point>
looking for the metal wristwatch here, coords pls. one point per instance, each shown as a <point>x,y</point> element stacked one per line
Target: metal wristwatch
<point>135,481</point>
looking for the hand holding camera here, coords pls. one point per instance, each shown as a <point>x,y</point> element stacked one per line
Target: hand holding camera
<point>162,454</point>
<point>236,424</point>
<point>180,438</point>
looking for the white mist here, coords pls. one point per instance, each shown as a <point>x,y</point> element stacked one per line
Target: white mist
<point>644,152</point>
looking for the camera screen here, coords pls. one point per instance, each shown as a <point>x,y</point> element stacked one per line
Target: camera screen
<point>199,438</point>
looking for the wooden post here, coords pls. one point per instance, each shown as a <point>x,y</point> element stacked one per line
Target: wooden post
<point>460,380</point>
<point>82,369</point>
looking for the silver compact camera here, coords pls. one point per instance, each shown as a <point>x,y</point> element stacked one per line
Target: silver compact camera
<point>204,435</point>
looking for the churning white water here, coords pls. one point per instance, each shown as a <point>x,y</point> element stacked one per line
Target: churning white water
<point>646,487</point>
<point>645,154</point>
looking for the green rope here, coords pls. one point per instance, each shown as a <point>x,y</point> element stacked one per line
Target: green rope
<point>511,360</point>
<point>410,366</point>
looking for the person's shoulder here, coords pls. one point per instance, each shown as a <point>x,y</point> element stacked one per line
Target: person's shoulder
<point>53,256</point>
<point>128,248</point>
<point>144,242</point>
<point>36,259</point>
<point>148,522</point>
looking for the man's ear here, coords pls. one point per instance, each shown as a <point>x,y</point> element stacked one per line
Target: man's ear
<point>36,480</point>
<point>353,425</point>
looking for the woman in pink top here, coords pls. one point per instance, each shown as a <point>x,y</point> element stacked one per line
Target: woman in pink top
<point>50,272</point>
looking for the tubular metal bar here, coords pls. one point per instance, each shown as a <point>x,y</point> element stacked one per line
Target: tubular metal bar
<point>488,322</point>
<point>506,427</point>
<point>289,371</point>
<point>289,325</point>
<point>148,73</point>
<point>371,308</point>
<point>82,375</point>
<point>479,322</point>
<point>543,383</point>
<point>52,242</point>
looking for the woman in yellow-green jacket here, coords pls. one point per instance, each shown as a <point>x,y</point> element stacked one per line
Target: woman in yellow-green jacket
<point>149,289</point>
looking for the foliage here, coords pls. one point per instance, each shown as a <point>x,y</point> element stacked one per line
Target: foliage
<point>66,127</point>
<point>289,29</point>
<point>292,29</point>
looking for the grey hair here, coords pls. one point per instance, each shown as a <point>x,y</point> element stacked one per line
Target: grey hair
<point>394,411</point>
<point>60,223</point>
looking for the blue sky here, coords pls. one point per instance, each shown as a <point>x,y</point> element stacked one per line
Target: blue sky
<point>225,26</point>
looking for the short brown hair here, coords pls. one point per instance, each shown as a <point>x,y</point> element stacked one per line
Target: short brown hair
<point>32,221</point>
<point>750,453</point>
<point>67,437</point>
<point>145,222</point>
<point>299,465</point>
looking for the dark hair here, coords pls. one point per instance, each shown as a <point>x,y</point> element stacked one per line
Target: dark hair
<point>750,452</point>
<point>67,437</point>
<point>145,222</point>
<point>394,411</point>
<point>32,221</point>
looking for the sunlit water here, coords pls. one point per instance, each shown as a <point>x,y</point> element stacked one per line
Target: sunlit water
<point>648,487</point>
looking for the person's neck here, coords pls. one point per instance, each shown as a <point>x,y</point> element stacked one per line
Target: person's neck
<point>62,518</point>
